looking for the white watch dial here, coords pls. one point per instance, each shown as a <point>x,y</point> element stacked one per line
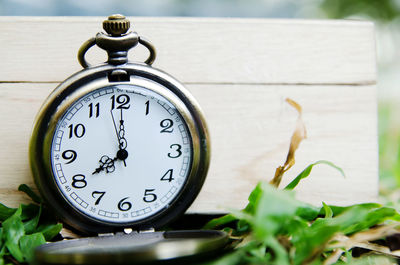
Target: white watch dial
<point>121,154</point>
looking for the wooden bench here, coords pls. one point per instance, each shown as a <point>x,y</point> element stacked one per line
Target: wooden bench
<point>241,71</point>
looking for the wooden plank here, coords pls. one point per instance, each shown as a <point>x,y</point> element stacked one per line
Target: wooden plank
<point>201,50</point>
<point>250,128</point>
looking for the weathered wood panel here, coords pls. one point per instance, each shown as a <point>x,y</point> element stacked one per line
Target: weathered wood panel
<point>200,50</point>
<point>250,127</point>
<point>241,71</point>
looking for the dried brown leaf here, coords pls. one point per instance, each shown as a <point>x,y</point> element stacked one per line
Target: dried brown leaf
<point>299,134</point>
<point>363,240</point>
<point>68,234</point>
<point>334,257</point>
<point>372,234</point>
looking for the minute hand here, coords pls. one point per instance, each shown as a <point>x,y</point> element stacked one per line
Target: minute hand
<point>122,154</point>
<point>115,126</point>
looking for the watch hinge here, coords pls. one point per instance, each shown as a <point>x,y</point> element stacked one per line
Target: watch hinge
<point>119,75</point>
<point>149,230</point>
<point>105,234</point>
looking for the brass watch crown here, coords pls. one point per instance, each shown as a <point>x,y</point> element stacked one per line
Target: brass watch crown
<point>116,25</point>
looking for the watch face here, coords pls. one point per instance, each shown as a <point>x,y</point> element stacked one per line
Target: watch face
<point>121,154</point>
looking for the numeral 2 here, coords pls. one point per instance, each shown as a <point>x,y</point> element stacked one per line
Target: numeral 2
<point>167,124</point>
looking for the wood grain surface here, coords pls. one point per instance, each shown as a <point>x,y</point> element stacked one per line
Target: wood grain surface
<point>241,71</point>
<point>201,50</point>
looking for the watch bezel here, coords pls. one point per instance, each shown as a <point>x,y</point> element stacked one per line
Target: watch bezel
<point>86,81</point>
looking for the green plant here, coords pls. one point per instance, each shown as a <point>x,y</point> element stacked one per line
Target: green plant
<point>24,228</point>
<point>275,228</point>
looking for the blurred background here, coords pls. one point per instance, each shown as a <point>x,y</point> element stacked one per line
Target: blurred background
<point>384,13</point>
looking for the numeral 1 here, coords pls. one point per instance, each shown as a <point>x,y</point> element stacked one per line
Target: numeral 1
<point>147,106</point>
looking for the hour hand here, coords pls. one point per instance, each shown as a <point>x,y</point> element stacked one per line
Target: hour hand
<point>107,164</point>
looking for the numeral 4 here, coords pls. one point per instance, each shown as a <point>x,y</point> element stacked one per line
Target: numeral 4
<point>168,176</point>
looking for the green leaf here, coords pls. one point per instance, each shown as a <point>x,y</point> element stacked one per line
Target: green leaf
<point>306,172</point>
<point>273,210</point>
<point>6,212</point>
<point>310,241</point>
<point>229,218</point>
<point>328,211</point>
<point>28,243</point>
<point>372,218</point>
<point>280,253</point>
<point>253,199</point>
<point>25,188</point>
<point>13,230</point>
<point>218,222</point>
<point>336,210</point>
<point>307,212</point>
<point>234,257</point>
<point>50,231</point>
<point>30,226</point>
<point>29,211</point>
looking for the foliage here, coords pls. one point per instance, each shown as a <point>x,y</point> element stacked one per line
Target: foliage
<point>382,10</point>
<point>24,228</point>
<point>389,145</point>
<point>278,229</point>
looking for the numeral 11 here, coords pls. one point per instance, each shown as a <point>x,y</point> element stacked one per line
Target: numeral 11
<point>96,110</point>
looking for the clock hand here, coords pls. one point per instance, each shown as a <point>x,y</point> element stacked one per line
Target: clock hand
<point>122,154</point>
<point>123,143</point>
<point>106,163</point>
<point>115,126</point>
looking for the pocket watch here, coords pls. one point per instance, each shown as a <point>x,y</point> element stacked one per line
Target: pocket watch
<point>121,145</point>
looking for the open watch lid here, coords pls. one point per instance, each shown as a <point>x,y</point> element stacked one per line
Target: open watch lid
<point>135,248</point>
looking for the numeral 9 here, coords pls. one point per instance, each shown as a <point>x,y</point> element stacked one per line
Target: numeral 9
<point>69,155</point>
